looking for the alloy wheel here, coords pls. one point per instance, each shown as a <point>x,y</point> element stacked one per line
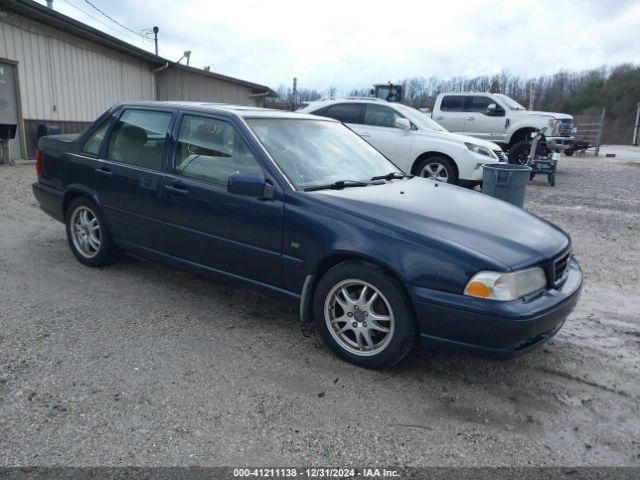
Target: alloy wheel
<point>435,171</point>
<point>85,232</point>
<point>359,317</point>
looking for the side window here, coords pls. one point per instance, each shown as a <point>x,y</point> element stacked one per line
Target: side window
<point>345,112</point>
<point>138,138</point>
<point>380,116</point>
<point>452,103</point>
<point>94,142</point>
<point>212,150</point>
<point>478,104</point>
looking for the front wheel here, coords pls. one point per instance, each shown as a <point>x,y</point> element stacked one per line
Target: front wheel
<point>519,152</point>
<point>437,168</point>
<point>364,315</point>
<point>88,235</point>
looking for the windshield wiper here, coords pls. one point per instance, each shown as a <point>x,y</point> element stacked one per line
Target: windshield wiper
<point>391,176</point>
<point>339,185</point>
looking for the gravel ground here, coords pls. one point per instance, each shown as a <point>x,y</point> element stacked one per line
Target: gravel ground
<point>138,364</point>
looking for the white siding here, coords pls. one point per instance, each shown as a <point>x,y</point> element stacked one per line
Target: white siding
<point>65,78</point>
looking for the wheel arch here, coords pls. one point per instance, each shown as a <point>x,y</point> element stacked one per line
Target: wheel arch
<point>74,191</point>
<point>425,155</point>
<point>325,264</point>
<point>521,134</point>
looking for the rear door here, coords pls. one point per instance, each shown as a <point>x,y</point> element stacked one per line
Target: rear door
<point>205,223</point>
<point>479,123</point>
<point>129,176</point>
<point>451,114</point>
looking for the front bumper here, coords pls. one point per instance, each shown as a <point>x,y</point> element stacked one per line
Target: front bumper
<point>559,143</point>
<point>493,328</point>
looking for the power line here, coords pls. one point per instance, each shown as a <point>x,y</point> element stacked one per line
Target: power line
<point>137,37</point>
<point>111,18</point>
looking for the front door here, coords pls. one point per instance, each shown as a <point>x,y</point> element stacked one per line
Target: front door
<point>479,123</point>
<point>9,113</point>
<point>205,223</point>
<point>129,177</point>
<point>379,129</point>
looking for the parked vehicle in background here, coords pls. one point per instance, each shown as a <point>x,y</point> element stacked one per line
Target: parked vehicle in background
<point>411,140</point>
<point>496,117</point>
<point>388,91</point>
<point>300,206</point>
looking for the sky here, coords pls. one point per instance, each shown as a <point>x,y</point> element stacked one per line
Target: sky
<point>353,44</point>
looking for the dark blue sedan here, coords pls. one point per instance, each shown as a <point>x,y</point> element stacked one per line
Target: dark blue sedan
<point>302,207</point>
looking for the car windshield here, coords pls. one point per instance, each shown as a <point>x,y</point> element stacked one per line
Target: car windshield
<point>421,120</point>
<point>510,102</point>
<point>312,153</point>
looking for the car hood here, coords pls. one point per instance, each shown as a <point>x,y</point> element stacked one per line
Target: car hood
<point>432,212</point>
<point>556,115</point>
<point>458,138</point>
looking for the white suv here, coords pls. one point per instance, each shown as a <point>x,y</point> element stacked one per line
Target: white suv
<point>411,140</point>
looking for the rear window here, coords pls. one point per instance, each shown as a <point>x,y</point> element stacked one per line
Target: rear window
<point>452,103</point>
<point>344,112</point>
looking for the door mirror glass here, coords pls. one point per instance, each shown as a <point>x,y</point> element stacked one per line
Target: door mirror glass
<point>250,186</point>
<point>403,124</point>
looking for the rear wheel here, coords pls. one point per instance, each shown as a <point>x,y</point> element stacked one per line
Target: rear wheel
<point>437,168</point>
<point>88,235</point>
<point>364,315</point>
<point>568,152</point>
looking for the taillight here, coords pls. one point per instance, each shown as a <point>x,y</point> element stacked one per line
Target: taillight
<point>38,157</point>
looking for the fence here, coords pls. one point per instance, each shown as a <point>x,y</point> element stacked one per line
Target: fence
<point>590,128</point>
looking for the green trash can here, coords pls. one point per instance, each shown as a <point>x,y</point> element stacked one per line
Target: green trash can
<point>506,181</point>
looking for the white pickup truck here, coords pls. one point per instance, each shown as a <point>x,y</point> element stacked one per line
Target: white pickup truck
<point>500,119</point>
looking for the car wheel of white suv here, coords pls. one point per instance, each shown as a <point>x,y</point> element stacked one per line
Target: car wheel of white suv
<point>437,168</point>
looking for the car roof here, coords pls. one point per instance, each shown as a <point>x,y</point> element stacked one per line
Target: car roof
<point>238,110</point>
<point>330,101</point>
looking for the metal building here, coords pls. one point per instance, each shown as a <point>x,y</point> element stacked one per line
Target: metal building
<point>56,70</point>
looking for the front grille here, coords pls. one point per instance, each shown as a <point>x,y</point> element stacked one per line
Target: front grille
<point>565,128</point>
<point>561,268</point>
<point>501,156</point>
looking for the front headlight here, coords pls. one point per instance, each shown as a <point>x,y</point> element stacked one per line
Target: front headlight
<point>480,149</point>
<point>506,286</point>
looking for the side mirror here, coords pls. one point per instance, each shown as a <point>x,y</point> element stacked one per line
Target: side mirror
<point>403,124</point>
<point>494,110</point>
<point>250,186</point>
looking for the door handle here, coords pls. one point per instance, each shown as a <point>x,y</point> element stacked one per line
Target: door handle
<point>103,172</point>
<point>177,190</point>
<point>439,117</point>
<point>471,119</point>
<point>365,134</point>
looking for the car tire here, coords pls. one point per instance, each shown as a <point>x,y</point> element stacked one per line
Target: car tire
<point>376,297</point>
<point>519,152</point>
<point>437,168</point>
<point>568,152</point>
<point>88,235</point>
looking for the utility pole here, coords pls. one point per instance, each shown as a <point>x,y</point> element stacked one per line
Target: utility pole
<point>636,128</point>
<point>532,95</point>
<point>155,38</point>
<point>294,94</point>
